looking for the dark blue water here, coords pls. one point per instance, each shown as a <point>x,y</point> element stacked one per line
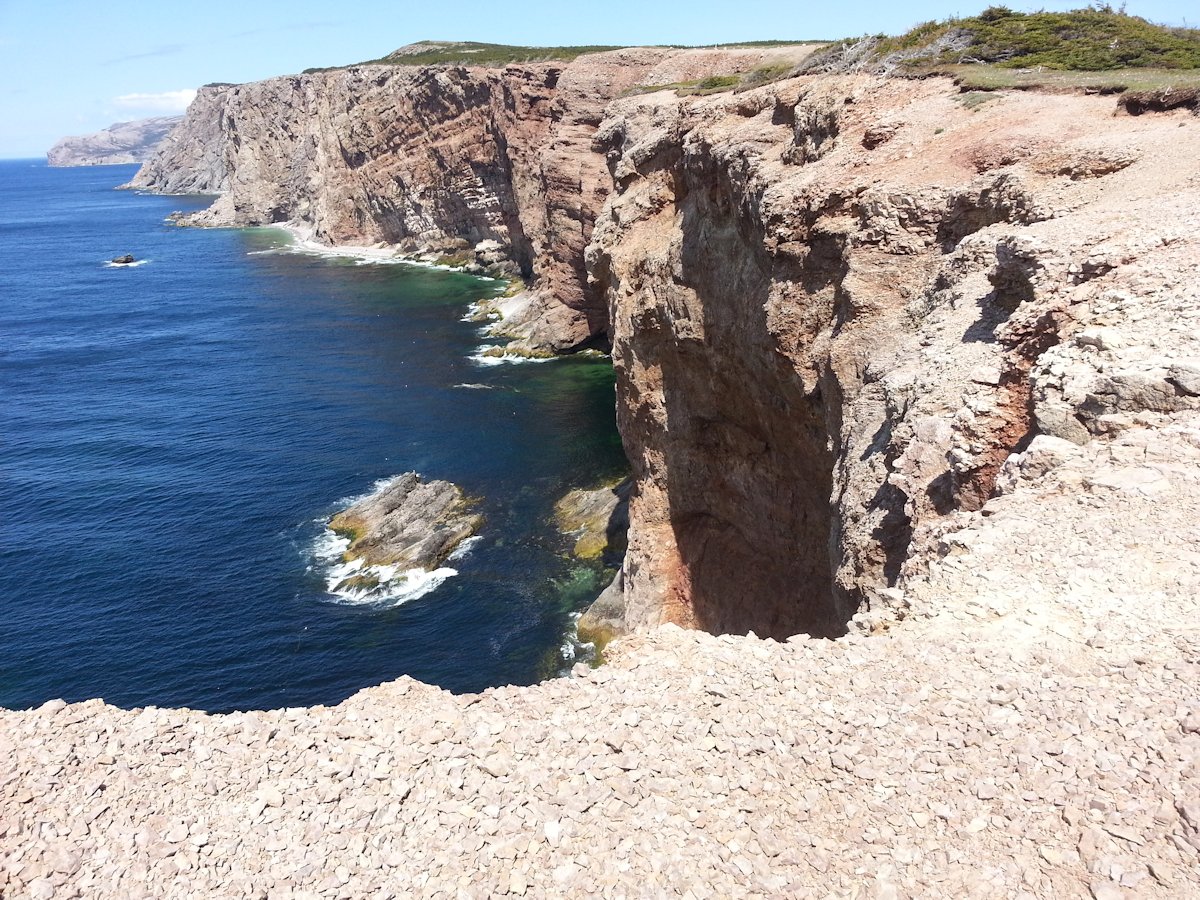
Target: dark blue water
<point>172,435</point>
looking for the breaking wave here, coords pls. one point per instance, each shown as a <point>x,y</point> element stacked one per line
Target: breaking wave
<point>360,584</point>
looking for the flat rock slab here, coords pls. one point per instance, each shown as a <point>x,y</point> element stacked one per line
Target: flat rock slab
<point>408,523</point>
<point>598,519</point>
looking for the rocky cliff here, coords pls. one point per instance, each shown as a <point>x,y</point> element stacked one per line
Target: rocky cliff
<point>119,144</point>
<point>434,158</point>
<point>892,360</point>
<point>843,307</point>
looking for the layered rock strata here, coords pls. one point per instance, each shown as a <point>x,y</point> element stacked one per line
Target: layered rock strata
<point>837,304</point>
<point>407,523</point>
<point>119,144</point>
<point>440,157</point>
<point>840,304</point>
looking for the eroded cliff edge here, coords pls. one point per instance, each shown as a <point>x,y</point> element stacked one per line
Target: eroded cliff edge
<point>845,311</point>
<point>848,313</point>
<point>435,158</point>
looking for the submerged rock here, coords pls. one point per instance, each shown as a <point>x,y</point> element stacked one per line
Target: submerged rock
<point>123,260</point>
<point>598,519</point>
<point>407,523</point>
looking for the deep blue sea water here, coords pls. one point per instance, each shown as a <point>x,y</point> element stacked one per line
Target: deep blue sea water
<point>173,435</point>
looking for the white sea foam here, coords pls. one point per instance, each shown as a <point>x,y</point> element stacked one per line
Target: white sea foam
<point>133,265</point>
<point>393,586</point>
<point>572,649</point>
<point>464,548</point>
<point>480,357</point>
<point>484,307</point>
<point>475,387</point>
<point>302,241</point>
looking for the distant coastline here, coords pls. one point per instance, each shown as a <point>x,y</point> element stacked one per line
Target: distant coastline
<point>122,143</point>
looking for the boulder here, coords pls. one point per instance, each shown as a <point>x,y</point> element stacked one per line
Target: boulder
<point>408,523</point>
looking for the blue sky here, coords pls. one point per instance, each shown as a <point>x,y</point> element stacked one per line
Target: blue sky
<point>69,67</point>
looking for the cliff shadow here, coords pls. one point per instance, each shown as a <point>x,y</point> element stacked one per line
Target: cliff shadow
<point>748,463</point>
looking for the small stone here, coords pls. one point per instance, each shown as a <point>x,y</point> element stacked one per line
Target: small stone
<point>270,796</point>
<point>495,765</point>
<point>64,862</point>
<point>1106,890</point>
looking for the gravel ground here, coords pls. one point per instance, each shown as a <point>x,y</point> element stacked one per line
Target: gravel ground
<point>1031,729</point>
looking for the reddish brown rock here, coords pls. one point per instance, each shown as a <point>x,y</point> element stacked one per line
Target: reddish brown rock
<point>438,157</point>
<point>801,314</point>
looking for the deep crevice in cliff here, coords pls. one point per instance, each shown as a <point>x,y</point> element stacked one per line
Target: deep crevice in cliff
<point>750,480</point>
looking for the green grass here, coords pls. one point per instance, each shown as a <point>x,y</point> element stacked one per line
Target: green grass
<point>972,100</point>
<point>766,74</point>
<point>1094,39</point>
<point>432,53</point>
<point>715,84</point>
<point>991,78</point>
<point>473,53</point>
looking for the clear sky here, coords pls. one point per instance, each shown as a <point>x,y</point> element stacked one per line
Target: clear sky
<point>76,66</point>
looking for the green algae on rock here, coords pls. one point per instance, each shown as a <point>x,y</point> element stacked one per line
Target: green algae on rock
<point>407,523</point>
<point>598,519</point>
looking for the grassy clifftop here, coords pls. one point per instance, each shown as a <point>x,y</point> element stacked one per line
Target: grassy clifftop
<point>474,53</point>
<point>1098,38</point>
<point>432,53</point>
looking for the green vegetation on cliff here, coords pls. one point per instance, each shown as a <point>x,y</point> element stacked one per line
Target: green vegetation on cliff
<point>474,53</point>
<point>431,53</point>
<point>1097,38</point>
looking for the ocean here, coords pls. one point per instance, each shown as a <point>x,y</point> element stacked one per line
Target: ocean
<point>174,435</point>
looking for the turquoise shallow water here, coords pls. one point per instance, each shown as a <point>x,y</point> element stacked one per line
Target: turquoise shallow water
<point>173,435</point>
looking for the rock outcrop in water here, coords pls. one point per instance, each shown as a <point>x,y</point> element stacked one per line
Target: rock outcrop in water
<point>598,519</point>
<point>119,144</point>
<point>408,523</point>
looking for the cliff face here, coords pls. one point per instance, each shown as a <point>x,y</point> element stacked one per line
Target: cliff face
<point>435,158</point>
<point>849,315</point>
<point>119,144</point>
<point>840,305</point>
